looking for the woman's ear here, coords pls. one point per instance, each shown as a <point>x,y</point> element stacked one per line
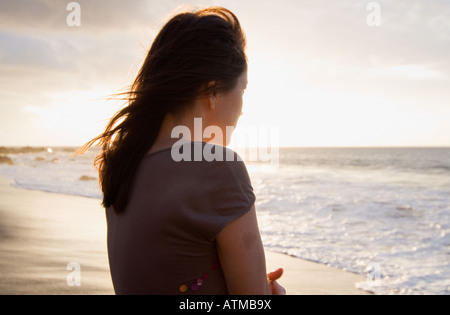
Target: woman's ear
<point>212,102</point>
<point>212,96</point>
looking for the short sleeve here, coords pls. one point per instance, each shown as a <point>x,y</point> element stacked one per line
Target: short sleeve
<point>224,193</point>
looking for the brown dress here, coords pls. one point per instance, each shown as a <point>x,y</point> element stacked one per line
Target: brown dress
<point>164,241</point>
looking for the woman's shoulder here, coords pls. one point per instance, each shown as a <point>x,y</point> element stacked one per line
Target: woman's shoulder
<point>203,152</point>
<point>209,154</point>
<point>200,162</point>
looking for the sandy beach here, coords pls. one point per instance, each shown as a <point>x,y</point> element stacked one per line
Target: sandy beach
<point>41,234</point>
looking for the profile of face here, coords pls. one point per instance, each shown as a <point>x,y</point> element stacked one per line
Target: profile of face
<point>226,108</point>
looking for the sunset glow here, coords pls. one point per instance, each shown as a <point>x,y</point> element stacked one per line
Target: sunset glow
<point>317,70</point>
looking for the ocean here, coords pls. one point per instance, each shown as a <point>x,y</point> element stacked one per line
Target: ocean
<point>380,212</point>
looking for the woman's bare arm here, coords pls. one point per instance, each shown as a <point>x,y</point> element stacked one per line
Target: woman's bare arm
<point>242,258</point>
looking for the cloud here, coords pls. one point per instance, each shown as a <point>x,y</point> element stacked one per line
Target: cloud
<point>28,51</point>
<point>406,72</point>
<point>96,16</point>
<point>110,43</point>
<point>26,14</point>
<point>412,31</point>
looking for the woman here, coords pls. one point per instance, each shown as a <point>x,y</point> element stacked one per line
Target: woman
<point>183,226</point>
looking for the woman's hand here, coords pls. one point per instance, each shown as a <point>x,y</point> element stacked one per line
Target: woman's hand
<point>276,288</point>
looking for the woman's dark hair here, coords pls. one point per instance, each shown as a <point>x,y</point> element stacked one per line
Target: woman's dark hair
<point>190,51</point>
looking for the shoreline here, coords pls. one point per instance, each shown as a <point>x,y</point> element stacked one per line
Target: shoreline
<point>42,233</point>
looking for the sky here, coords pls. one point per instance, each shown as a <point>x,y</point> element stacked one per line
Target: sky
<point>321,72</point>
